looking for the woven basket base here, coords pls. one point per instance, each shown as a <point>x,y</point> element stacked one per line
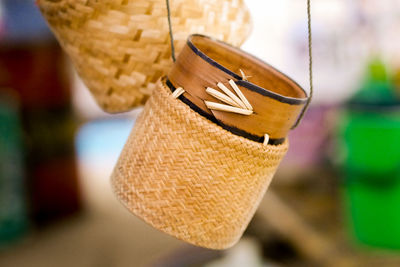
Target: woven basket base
<point>188,177</point>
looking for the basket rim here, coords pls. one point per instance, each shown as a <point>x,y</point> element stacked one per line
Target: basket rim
<point>240,81</point>
<point>165,92</point>
<point>231,129</point>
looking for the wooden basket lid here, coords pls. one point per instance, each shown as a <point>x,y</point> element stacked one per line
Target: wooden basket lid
<point>275,99</point>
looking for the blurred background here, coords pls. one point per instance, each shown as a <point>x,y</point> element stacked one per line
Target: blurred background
<point>335,200</point>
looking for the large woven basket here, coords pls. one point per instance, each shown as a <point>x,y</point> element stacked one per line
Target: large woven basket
<point>190,178</point>
<point>198,162</point>
<point>120,48</point>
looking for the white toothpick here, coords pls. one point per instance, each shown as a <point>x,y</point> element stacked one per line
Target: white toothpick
<point>223,107</point>
<point>220,96</point>
<point>178,92</point>
<point>244,76</point>
<point>266,139</point>
<point>240,94</point>
<point>231,95</point>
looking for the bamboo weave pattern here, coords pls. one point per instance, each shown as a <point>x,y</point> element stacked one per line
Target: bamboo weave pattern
<point>120,48</point>
<point>188,177</point>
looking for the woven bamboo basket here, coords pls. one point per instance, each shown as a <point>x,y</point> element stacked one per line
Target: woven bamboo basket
<point>120,48</point>
<point>187,169</point>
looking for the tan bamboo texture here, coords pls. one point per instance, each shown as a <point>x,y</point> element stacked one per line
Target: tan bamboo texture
<point>120,48</point>
<point>188,177</point>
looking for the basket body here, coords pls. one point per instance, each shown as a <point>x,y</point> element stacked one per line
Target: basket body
<point>121,48</point>
<point>190,178</point>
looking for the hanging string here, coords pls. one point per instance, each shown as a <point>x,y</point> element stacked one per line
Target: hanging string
<point>171,36</point>
<point>310,66</point>
<point>310,59</point>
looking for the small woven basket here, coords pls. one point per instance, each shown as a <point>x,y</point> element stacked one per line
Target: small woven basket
<point>120,48</point>
<point>201,155</point>
<point>190,178</point>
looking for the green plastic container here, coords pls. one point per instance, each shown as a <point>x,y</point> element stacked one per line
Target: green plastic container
<point>372,140</point>
<point>373,208</point>
<point>370,146</point>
